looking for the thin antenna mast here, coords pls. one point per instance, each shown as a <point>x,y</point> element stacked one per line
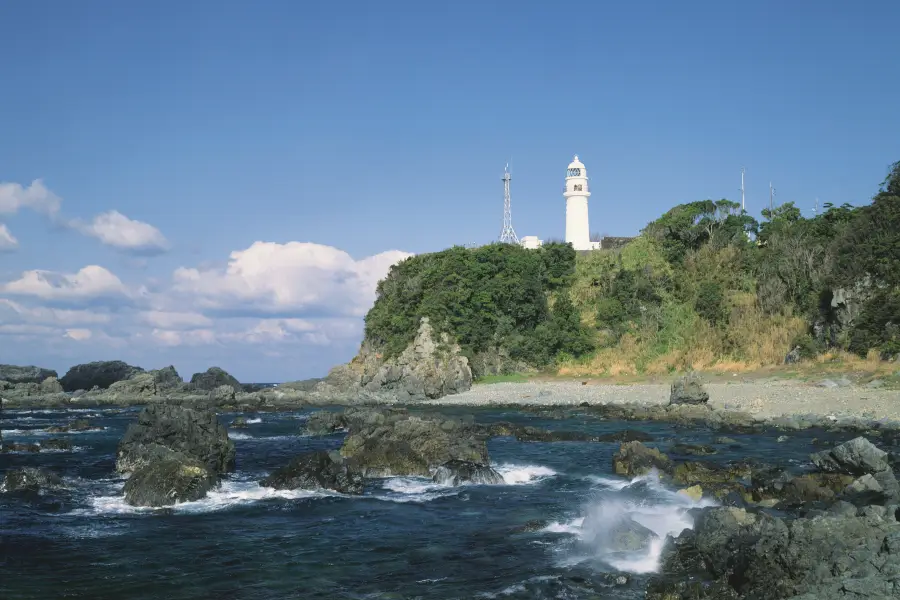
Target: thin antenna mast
<point>771,197</point>
<point>743,204</point>
<point>507,234</point>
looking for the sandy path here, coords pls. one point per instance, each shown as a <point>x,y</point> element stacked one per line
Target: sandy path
<point>765,399</point>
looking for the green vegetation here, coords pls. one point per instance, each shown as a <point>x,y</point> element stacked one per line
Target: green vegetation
<point>704,286</point>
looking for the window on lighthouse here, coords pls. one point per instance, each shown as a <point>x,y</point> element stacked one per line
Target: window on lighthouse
<point>574,173</point>
<point>578,187</point>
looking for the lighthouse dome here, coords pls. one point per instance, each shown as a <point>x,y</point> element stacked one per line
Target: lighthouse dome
<point>576,168</point>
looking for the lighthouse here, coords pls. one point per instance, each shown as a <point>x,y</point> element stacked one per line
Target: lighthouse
<point>576,194</point>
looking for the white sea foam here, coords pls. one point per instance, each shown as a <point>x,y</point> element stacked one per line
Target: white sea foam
<point>239,435</point>
<point>523,474</point>
<point>231,493</point>
<point>642,500</point>
<point>254,421</point>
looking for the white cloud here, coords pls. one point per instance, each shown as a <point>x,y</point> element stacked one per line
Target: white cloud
<point>10,310</point>
<point>296,278</point>
<point>35,197</point>
<point>89,283</point>
<point>162,319</point>
<point>114,229</point>
<point>79,335</point>
<point>7,241</point>
<point>194,337</point>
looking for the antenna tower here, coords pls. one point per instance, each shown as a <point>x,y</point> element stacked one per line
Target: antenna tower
<point>771,197</point>
<point>508,235</point>
<point>743,205</point>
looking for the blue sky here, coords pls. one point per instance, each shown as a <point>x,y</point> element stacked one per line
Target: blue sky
<point>320,142</point>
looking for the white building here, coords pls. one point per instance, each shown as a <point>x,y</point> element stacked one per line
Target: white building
<point>531,242</point>
<point>576,193</point>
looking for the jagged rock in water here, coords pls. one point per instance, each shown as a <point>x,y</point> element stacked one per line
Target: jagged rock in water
<point>717,480</point>
<point>733,553</point>
<point>688,390</point>
<point>76,425</point>
<point>20,447</point>
<point>168,481</point>
<point>25,374</point>
<point>459,472</point>
<point>31,479</point>
<point>167,378</point>
<point>165,432</point>
<point>401,444</point>
<point>101,374</point>
<point>626,435</point>
<point>857,457</point>
<point>634,458</point>
<point>56,444</point>
<point>212,378</point>
<point>239,423</point>
<point>317,470</point>
<point>693,449</point>
<point>609,530</point>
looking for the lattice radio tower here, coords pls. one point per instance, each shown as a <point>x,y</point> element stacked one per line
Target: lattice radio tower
<point>508,235</point>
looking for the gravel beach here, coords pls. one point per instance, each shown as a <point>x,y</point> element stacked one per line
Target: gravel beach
<point>765,400</point>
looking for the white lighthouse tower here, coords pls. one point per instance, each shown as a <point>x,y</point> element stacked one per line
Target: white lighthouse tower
<point>576,194</point>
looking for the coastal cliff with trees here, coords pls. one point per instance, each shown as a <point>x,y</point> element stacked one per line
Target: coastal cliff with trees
<point>704,286</point>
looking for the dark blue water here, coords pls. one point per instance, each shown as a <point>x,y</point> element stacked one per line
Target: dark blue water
<point>405,538</point>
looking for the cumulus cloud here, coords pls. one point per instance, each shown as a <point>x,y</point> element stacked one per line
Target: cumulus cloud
<point>79,335</point>
<point>293,279</point>
<point>35,197</point>
<point>14,311</point>
<point>89,283</point>
<point>118,231</point>
<point>7,241</point>
<point>111,228</point>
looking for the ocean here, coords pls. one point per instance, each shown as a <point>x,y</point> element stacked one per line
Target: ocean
<point>543,533</point>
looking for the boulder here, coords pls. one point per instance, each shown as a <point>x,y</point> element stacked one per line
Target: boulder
<point>733,553</point>
<point>634,458</point>
<point>857,457</point>
<point>168,481</point>
<point>167,378</point>
<point>142,385</point>
<point>19,447</point>
<point>165,431</point>
<point>688,390</point>
<point>608,529</point>
<point>101,374</point>
<point>212,378</point>
<point>78,425</point>
<point>27,374</point>
<point>458,472</point>
<point>317,470</point>
<point>56,444</point>
<point>31,479</point>
<point>51,385</point>
<point>239,423</point>
<point>397,443</point>
<point>693,449</point>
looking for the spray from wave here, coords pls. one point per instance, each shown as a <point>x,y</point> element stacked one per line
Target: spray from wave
<point>626,524</point>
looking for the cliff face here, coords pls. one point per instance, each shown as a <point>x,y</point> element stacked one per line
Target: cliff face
<point>430,367</point>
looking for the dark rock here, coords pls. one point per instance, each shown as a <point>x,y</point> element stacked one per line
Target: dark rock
<point>167,378</point>
<point>626,435</point>
<point>693,450</point>
<point>458,472</point>
<point>20,447</point>
<point>28,374</point>
<point>56,444</point>
<point>212,378</point>
<point>634,458</point>
<point>396,443</point>
<point>721,481</point>
<point>793,356</point>
<point>239,423</point>
<point>77,426</point>
<point>166,431</point>
<point>317,470</point>
<point>857,457</point>
<point>168,481</point>
<point>688,390</point>
<point>610,531</point>
<point>754,555</point>
<point>31,479</point>
<point>101,374</point>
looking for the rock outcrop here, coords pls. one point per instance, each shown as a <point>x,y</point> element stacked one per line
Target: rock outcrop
<point>31,479</point>
<point>25,374</point>
<point>174,454</point>
<point>213,378</point>
<point>317,470</point>
<point>430,367</point>
<point>458,472</point>
<point>166,431</point>
<point>634,458</point>
<point>100,374</point>
<point>688,390</point>
<point>734,553</point>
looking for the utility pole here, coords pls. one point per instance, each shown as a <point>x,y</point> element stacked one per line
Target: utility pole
<point>743,204</point>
